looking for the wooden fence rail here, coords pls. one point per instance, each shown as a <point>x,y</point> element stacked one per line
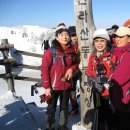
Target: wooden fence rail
<point>29,53</point>
<point>27,78</point>
<point>5,45</point>
<point>27,66</point>
<point>11,62</point>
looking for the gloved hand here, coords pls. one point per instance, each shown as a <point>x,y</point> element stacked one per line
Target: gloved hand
<point>45,98</point>
<point>99,88</point>
<point>96,83</point>
<point>90,80</point>
<point>103,79</point>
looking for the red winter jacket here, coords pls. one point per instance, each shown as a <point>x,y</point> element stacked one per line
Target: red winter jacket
<point>106,59</point>
<point>53,73</point>
<point>75,46</point>
<point>121,79</point>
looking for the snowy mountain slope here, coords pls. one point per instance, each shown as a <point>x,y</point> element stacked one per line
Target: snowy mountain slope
<point>27,37</point>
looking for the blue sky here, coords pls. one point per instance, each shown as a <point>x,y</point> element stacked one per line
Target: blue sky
<point>49,13</point>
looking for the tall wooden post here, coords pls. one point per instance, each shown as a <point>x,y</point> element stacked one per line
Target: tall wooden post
<point>84,29</point>
<point>8,67</point>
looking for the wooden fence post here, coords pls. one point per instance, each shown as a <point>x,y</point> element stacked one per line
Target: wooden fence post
<point>8,67</point>
<point>84,29</point>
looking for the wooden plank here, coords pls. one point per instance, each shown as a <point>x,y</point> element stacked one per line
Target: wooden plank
<point>20,77</point>
<point>27,66</point>
<point>84,29</point>
<point>27,78</point>
<point>2,75</point>
<point>6,46</point>
<point>8,75</point>
<point>6,61</point>
<point>29,53</point>
<point>8,67</point>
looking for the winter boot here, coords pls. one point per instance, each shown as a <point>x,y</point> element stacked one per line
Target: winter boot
<point>74,110</point>
<point>62,128</point>
<point>50,129</point>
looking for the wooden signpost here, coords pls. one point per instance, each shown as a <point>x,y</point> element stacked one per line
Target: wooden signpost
<point>84,29</point>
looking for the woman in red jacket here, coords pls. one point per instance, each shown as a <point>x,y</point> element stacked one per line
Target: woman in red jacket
<point>120,78</point>
<point>57,71</point>
<point>100,64</point>
<point>73,98</point>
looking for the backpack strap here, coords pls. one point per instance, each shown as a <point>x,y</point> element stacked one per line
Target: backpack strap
<point>53,50</point>
<point>62,57</point>
<point>55,56</point>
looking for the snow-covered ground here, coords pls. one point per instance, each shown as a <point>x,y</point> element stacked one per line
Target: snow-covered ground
<point>14,114</point>
<point>23,89</point>
<point>10,106</point>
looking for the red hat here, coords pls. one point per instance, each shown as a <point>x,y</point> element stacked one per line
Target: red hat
<point>127,23</point>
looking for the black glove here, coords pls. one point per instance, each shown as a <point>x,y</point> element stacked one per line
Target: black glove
<point>91,80</point>
<point>103,79</point>
<point>45,98</point>
<point>96,83</point>
<point>99,88</point>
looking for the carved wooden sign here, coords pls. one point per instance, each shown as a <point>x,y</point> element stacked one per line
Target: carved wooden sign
<point>84,29</point>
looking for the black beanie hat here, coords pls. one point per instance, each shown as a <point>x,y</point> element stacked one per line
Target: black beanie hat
<point>72,31</point>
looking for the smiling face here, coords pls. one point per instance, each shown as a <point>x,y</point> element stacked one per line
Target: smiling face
<point>100,44</point>
<point>63,38</point>
<point>122,40</point>
<point>74,39</point>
